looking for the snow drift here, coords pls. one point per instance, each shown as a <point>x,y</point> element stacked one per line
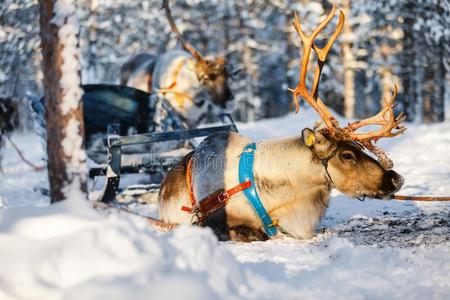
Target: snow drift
<point>373,249</point>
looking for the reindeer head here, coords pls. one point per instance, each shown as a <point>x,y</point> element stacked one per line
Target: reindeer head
<point>341,149</point>
<point>349,169</point>
<point>211,72</point>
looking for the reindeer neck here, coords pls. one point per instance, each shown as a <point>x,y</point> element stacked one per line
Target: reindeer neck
<point>285,170</point>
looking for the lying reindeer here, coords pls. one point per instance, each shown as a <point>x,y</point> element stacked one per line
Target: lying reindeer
<point>195,85</point>
<point>249,191</point>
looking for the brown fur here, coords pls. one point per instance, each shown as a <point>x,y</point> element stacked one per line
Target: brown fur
<point>243,233</point>
<point>364,170</point>
<point>270,185</point>
<point>173,183</point>
<point>212,73</point>
<point>138,68</point>
<point>174,188</point>
<point>290,179</point>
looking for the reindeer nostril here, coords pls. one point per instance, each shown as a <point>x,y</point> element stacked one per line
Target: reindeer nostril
<point>397,180</point>
<point>392,182</point>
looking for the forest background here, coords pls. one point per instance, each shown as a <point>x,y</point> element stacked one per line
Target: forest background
<point>385,42</point>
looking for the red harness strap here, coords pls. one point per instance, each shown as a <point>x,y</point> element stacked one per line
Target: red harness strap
<point>213,202</point>
<point>189,183</point>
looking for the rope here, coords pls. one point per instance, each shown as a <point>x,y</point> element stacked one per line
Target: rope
<point>419,198</point>
<point>179,96</point>
<point>155,223</point>
<point>22,157</point>
<point>164,91</point>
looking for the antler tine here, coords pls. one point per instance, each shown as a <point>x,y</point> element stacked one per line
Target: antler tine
<point>400,118</point>
<point>386,118</point>
<point>322,53</point>
<point>390,124</point>
<point>187,46</point>
<point>310,39</point>
<point>301,89</point>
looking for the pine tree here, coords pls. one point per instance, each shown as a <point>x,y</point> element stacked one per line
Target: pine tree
<point>405,42</point>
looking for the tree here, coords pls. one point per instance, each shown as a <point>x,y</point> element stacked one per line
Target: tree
<point>64,114</point>
<point>348,64</point>
<point>19,55</point>
<point>385,42</point>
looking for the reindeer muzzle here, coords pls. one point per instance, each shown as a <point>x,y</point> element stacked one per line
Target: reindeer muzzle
<point>392,182</point>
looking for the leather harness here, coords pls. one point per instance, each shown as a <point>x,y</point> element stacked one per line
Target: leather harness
<point>200,210</point>
<point>205,207</point>
<point>179,96</point>
<point>219,199</point>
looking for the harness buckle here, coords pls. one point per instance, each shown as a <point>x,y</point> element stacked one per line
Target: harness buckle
<point>223,196</point>
<point>197,216</point>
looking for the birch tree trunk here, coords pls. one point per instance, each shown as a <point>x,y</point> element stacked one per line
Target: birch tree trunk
<point>348,64</point>
<point>407,60</point>
<point>418,82</point>
<point>447,97</point>
<point>64,114</point>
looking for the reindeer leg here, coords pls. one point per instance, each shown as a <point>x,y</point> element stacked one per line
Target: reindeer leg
<point>244,233</point>
<point>238,233</point>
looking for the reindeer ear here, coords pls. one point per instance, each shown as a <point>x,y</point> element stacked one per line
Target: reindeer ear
<point>309,137</point>
<point>191,64</point>
<point>220,60</point>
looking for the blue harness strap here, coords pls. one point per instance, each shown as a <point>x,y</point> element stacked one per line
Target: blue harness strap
<point>246,163</point>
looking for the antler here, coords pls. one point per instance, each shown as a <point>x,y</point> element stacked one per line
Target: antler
<point>187,46</point>
<point>385,118</point>
<point>308,43</point>
<point>388,122</point>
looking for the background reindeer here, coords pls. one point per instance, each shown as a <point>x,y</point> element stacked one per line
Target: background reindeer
<point>137,72</point>
<point>293,177</point>
<point>195,85</point>
<point>9,120</point>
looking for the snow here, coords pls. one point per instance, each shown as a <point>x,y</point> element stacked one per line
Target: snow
<point>373,249</point>
<point>69,144</point>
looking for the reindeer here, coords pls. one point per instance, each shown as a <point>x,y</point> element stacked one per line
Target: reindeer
<point>137,72</point>
<point>249,191</point>
<point>9,120</point>
<point>195,85</point>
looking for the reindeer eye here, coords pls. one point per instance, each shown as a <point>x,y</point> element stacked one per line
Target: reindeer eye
<point>202,78</point>
<point>199,103</point>
<point>348,155</point>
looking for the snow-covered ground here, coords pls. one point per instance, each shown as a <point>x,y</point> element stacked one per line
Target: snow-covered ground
<point>373,249</point>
